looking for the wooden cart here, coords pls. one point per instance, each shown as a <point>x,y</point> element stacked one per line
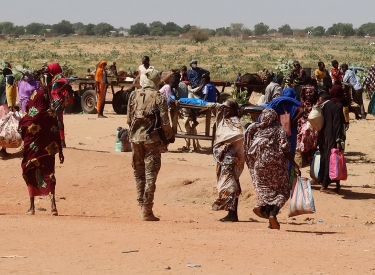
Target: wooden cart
<point>88,97</point>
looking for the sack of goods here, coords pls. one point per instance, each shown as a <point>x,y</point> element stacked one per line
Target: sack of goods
<point>315,166</point>
<point>301,201</point>
<point>9,135</point>
<point>316,118</point>
<point>122,140</point>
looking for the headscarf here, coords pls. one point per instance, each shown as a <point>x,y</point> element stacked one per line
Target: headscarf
<point>308,103</point>
<point>26,86</point>
<point>54,69</point>
<point>229,127</point>
<point>152,79</point>
<point>256,137</point>
<point>337,93</point>
<point>99,70</point>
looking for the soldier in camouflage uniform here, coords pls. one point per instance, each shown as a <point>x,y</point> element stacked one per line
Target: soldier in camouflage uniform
<point>145,144</point>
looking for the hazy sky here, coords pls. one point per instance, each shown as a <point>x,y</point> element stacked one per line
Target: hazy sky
<point>205,13</point>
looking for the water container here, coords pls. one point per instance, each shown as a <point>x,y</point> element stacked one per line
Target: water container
<point>118,144</point>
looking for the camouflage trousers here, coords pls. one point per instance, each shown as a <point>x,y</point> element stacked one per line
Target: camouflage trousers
<point>146,164</point>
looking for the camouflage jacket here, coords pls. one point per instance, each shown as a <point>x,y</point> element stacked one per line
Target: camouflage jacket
<point>139,126</point>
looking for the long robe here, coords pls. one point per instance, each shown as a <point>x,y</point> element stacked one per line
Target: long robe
<point>40,133</point>
<point>331,133</point>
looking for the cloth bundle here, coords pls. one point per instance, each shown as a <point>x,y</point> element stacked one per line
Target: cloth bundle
<point>316,118</point>
<point>337,165</point>
<point>301,201</point>
<point>9,135</point>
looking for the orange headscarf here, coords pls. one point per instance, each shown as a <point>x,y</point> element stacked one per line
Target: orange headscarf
<point>99,70</point>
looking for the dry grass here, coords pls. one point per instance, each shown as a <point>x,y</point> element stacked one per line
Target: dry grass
<point>224,57</point>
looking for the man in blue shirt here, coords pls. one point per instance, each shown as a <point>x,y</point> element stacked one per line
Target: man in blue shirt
<point>194,74</point>
<point>209,91</point>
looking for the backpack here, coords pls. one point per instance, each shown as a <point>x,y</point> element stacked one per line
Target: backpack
<point>144,103</point>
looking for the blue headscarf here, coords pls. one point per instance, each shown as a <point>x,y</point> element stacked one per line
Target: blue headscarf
<point>288,101</point>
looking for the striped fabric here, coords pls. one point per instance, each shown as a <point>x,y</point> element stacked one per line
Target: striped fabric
<point>302,201</point>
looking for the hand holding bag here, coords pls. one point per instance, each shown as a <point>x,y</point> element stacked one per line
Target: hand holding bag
<point>9,135</point>
<point>301,201</point>
<point>337,165</point>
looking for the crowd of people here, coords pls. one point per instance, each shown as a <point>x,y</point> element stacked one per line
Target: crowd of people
<point>267,146</point>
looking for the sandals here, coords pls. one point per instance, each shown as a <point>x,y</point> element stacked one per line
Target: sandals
<point>274,223</point>
<point>260,214</point>
<point>54,212</point>
<point>4,154</point>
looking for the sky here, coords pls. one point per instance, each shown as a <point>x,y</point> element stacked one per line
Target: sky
<point>205,13</point>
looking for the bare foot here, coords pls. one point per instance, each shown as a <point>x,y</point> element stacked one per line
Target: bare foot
<point>102,116</point>
<point>54,212</point>
<point>31,211</point>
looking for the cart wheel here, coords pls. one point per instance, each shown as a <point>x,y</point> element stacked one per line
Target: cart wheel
<point>120,102</point>
<point>88,102</point>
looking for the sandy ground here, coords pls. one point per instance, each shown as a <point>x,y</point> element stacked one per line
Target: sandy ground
<point>99,216</point>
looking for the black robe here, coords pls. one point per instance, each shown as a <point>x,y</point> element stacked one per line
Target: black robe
<point>331,133</point>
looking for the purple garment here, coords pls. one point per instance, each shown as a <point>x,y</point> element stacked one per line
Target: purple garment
<point>26,87</point>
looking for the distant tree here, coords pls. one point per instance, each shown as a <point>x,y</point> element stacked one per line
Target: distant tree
<point>157,31</point>
<point>6,27</point>
<point>156,24</point>
<point>236,29</point>
<point>35,28</point>
<point>172,27</point>
<point>319,31</point>
<point>78,25</point>
<point>64,27</point>
<point>198,34</point>
<point>368,28</point>
<point>360,32</point>
<point>89,28</point>
<point>285,30</point>
<point>223,31</point>
<point>19,30</point>
<point>347,29</point>
<point>81,32</point>
<point>247,31</point>
<point>271,31</point>
<point>185,28</point>
<point>103,29</point>
<point>211,32</point>
<point>261,28</point>
<point>333,30</point>
<point>172,33</point>
<point>139,29</point>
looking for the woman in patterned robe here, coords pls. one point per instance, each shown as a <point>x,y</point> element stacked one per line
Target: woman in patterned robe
<point>267,151</point>
<point>40,133</point>
<point>229,156</point>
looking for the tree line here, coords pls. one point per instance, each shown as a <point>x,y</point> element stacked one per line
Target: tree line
<point>158,28</point>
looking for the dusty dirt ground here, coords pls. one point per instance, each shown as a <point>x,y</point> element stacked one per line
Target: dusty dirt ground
<point>99,218</point>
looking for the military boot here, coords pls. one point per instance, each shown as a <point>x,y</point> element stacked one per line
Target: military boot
<point>147,214</point>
